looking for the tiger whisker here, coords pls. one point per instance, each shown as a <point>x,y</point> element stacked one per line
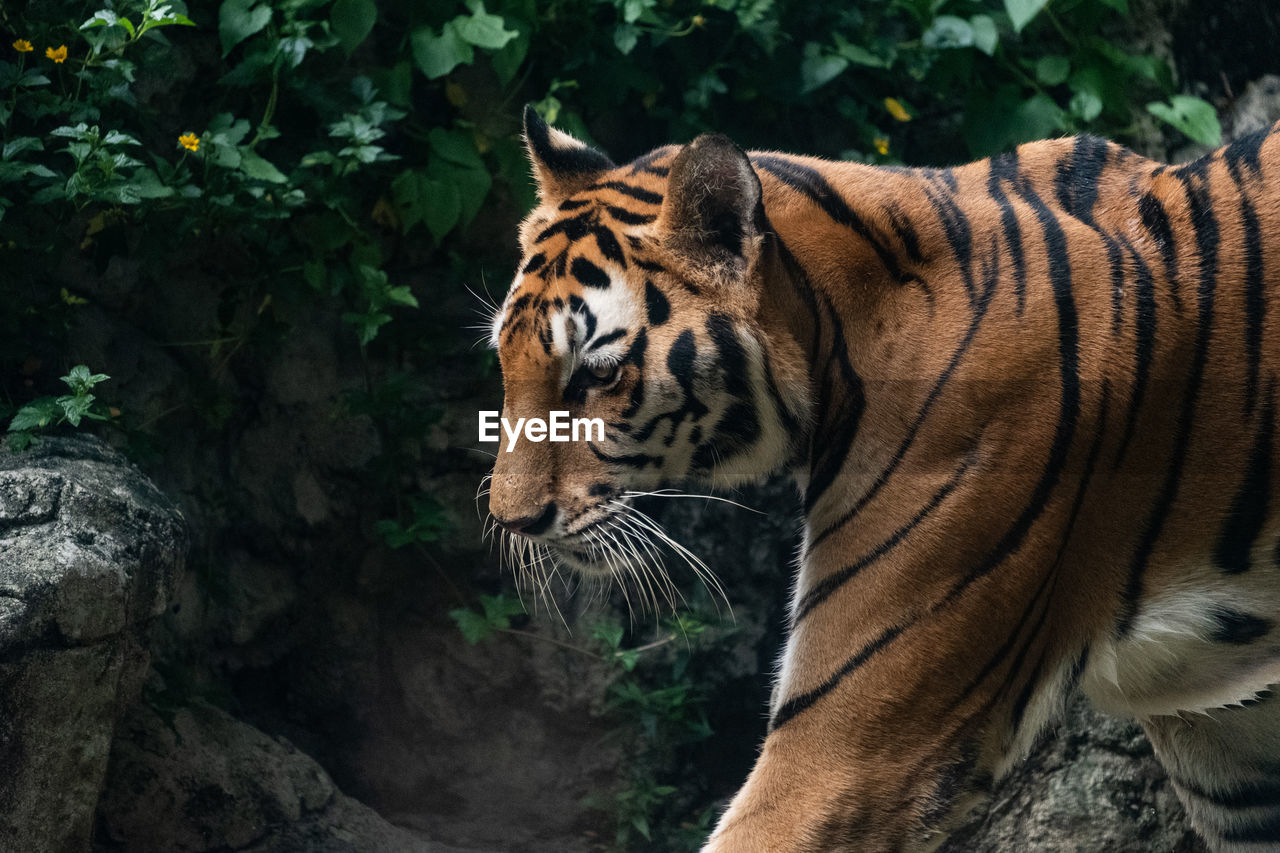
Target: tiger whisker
<point>669,493</point>
<point>701,569</point>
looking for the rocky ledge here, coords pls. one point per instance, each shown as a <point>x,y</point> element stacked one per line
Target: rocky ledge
<point>89,555</point>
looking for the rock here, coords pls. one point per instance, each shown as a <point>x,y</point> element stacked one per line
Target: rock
<point>90,552</point>
<point>1257,109</point>
<point>194,779</point>
<point>1094,784</point>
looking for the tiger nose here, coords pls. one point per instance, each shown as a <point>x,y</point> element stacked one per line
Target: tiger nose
<point>530,525</point>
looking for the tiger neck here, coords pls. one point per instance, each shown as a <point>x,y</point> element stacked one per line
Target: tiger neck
<point>835,295</point>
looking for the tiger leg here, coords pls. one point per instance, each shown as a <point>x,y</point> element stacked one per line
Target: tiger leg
<point>1225,766</point>
<point>890,749</point>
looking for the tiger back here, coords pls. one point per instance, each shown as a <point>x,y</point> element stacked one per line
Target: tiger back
<point>1029,405</point>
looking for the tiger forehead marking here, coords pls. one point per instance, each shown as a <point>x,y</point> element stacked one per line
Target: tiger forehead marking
<point>575,292</point>
<point>1029,404</point>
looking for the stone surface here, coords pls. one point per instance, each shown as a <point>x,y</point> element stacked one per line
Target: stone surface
<point>90,552</point>
<point>1092,785</point>
<point>194,779</point>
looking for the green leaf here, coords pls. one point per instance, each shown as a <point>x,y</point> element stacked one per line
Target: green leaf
<point>401,295</point>
<point>239,19</point>
<point>37,414</point>
<point>948,32</point>
<point>456,146</point>
<point>101,18</point>
<point>19,144</point>
<point>985,35</point>
<point>256,167</point>
<point>632,10</point>
<point>474,627</point>
<point>226,130</point>
<point>1085,105</point>
<point>1193,116</point>
<point>499,608</point>
<point>431,201</point>
<point>1022,11</point>
<point>437,55</point>
<point>1121,6</point>
<point>609,633</point>
<point>74,407</point>
<point>625,38</point>
<point>819,68</point>
<point>352,21</point>
<point>81,378</point>
<point>19,441</point>
<point>482,29</point>
<point>1053,70</point>
<point>367,324</point>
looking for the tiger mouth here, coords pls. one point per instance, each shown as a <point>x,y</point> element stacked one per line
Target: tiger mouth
<point>587,550</point>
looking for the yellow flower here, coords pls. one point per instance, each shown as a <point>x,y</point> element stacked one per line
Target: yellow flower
<point>57,54</point>
<point>882,144</point>
<point>189,141</point>
<point>23,46</point>
<point>896,109</point>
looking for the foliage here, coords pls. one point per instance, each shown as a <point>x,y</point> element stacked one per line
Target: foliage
<point>657,704</point>
<point>44,413</point>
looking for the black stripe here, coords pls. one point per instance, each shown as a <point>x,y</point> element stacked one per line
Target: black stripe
<point>609,246</point>
<point>588,273</point>
<point>1156,221</point>
<point>1205,227</point>
<point>1255,306</point>
<point>790,421</point>
<point>632,460</point>
<point>1076,178</point>
<point>1005,169</point>
<point>656,305</point>
<point>1234,551</point>
<point>1245,795</point>
<point>810,183</point>
<point>534,264</point>
<point>1237,628</point>
<point>1052,575</point>
<point>1024,696</point>
<point>579,306</point>
<point>1258,831</point>
<point>635,355</point>
<point>1144,344</point>
<point>1246,151</point>
<point>607,338</point>
<point>990,279</point>
<point>828,585</point>
<point>574,228</point>
<point>841,402</point>
<point>789,709</point>
<point>627,217</point>
<point>637,193</point>
<point>956,229</point>
<point>645,163</point>
<point>1059,263</point>
<point>906,233</point>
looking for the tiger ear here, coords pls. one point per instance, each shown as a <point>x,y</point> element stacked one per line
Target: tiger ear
<point>562,165</point>
<point>713,213</point>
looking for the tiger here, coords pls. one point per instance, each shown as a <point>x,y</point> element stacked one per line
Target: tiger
<point>1029,407</point>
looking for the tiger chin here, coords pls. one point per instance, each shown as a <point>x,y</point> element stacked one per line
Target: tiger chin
<point>1029,404</point>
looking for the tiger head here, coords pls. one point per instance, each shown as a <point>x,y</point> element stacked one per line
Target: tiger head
<point>640,300</point>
